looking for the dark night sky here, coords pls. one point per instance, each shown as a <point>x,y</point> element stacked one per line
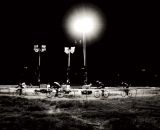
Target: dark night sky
<point>128,47</point>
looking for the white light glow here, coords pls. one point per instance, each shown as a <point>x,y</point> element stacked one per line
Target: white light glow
<point>84,20</point>
<point>83,24</point>
<point>72,49</point>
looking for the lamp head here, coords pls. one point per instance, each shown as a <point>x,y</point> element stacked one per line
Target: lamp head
<point>43,48</point>
<point>36,49</point>
<point>72,49</point>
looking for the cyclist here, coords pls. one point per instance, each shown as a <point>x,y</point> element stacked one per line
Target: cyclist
<point>126,87</point>
<point>56,86</point>
<point>19,88</point>
<point>99,84</point>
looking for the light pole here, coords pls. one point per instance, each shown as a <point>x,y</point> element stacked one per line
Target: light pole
<point>84,58</point>
<point>84,22</point>
<point>69,51</point>
<point>38,49</point>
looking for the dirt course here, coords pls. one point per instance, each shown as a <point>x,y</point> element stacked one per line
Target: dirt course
<point>19,113</point>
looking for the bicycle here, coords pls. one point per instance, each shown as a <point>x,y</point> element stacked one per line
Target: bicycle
<point>19,92</point>
<point>65,93</point>
<point>129,92</point>
<point>60,94</point>
<point>49,93</point>
<point>103,93</point>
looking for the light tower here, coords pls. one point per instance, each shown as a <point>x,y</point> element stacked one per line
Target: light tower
<point>84,22</point>
<point>38,49</point>
<point>69,51</point>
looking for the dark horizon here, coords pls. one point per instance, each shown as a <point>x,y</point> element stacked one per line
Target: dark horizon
<point>127,50</point>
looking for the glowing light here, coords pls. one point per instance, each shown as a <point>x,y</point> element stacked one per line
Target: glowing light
<point>84,20</point>
<point>68,50</point>
<point>143,70</point>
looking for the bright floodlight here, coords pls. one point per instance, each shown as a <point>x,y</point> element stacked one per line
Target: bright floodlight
<point>84,20</point>
<point>83,24</point>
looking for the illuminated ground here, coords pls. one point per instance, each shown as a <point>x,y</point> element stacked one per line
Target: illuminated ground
<point>140,113</point>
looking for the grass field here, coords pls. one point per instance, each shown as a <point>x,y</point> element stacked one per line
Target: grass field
<point>141,113</point>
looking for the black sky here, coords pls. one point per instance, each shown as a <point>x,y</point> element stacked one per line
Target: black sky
<point>128,47</point>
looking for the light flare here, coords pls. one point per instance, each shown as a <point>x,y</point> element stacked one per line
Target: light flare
<point>86,20</point>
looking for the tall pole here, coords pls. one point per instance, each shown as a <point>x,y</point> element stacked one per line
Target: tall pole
<point>68,51</point>
<point>39,49</point>
<point>69,59</point>
<point>84,58</point>
<point>84,49</point>
<point>39,64</point>
<point>68,68</point>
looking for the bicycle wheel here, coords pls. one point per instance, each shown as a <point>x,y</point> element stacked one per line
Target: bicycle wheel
<point>132,93</point>
<point>17,92</point>
<point>50,94</point>
<point>97,94</point>
<point>61,94</point>
<point>36,92</point>
<point>106,94</point>
<point>123,94</point>
<point>129,94</point>
<point>24,93</point>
